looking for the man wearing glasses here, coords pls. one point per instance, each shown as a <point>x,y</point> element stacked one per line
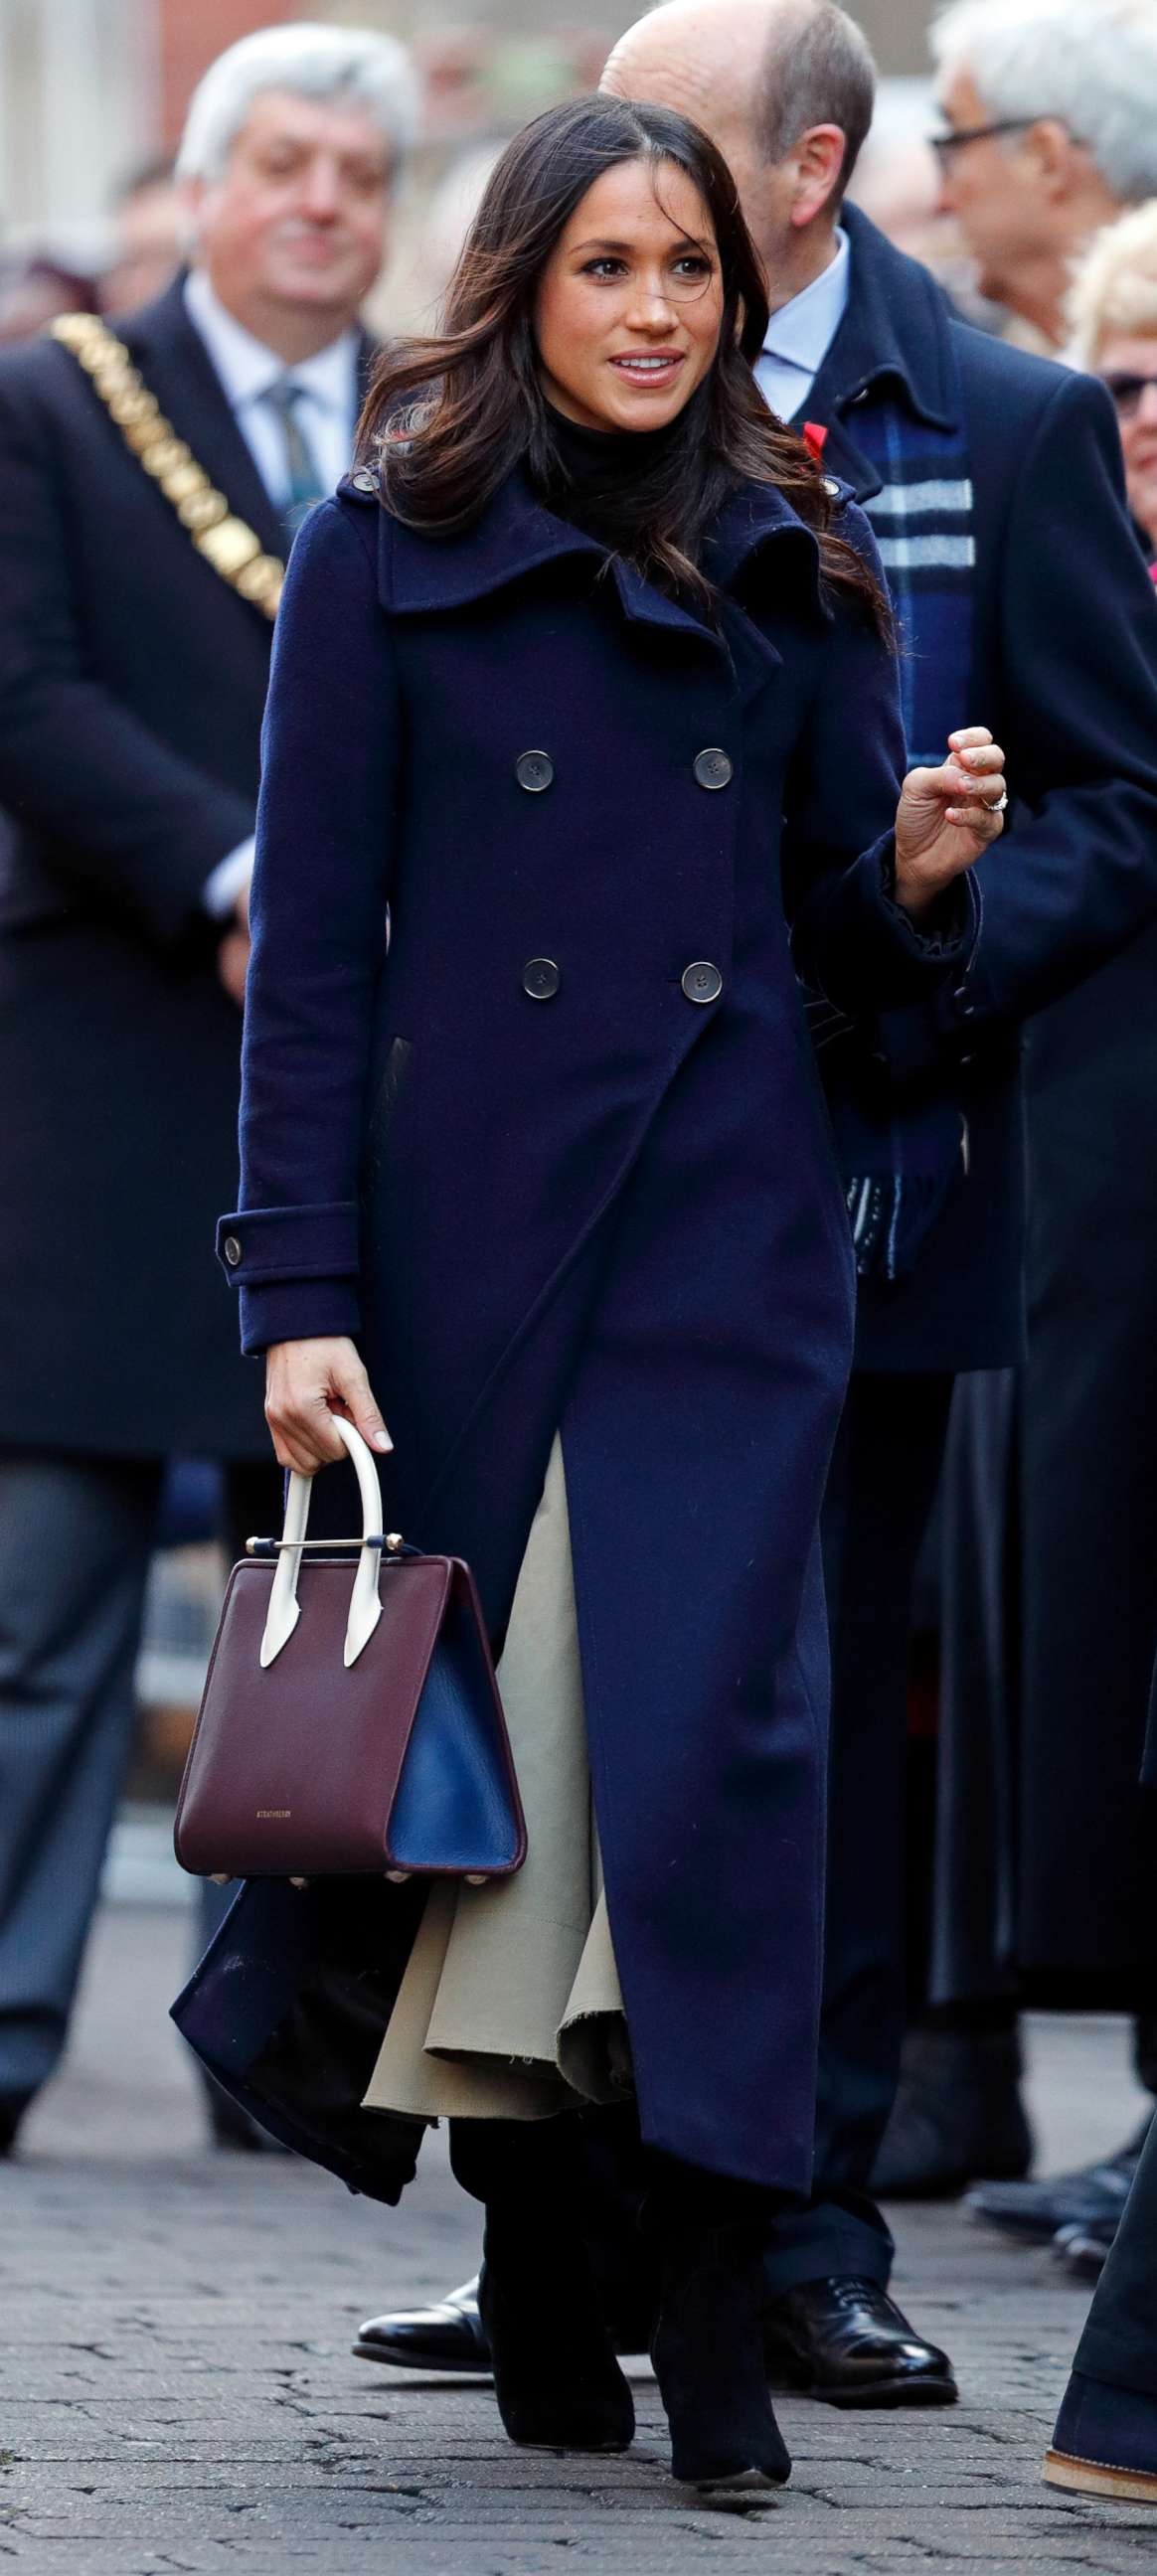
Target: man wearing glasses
<point>1050,129</point>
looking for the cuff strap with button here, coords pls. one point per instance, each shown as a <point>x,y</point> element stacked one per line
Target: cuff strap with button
<point>260,1244</point>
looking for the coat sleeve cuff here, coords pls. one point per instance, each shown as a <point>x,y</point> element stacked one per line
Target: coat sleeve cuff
<point>297,1310</point>
<point>947,936</point>
<point>858,947</point>
<point>290,1243</point>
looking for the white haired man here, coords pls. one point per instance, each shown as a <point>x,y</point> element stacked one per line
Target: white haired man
<point>1050,130</point>
<point>150,482</point>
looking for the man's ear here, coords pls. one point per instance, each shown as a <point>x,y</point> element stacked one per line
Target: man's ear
<point>1050,149</point>
<point>819,160</point>
<point>192,198</point>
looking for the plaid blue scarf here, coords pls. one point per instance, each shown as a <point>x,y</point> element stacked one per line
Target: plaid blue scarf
<point>899,1158</point>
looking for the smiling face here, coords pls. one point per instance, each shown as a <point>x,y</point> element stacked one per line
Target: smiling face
<point>1130,366</point>
<point>295,225</point>
<point>629,307</point>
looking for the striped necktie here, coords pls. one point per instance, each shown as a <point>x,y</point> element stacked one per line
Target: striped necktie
<point>303,482</point>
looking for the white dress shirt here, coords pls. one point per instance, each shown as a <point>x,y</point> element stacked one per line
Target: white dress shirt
<point>800,335</point>
<point>327,411</point>
<point>327,414</point>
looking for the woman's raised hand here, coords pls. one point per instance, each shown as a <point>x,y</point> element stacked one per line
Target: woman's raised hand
<point>947,816</point>
<point>306,1383</point>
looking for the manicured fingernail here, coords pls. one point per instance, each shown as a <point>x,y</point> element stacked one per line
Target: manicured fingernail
<point>381,1441</point>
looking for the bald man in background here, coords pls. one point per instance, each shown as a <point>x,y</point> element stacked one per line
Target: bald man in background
<point>966,455</point>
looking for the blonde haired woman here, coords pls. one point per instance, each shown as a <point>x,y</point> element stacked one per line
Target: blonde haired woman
<point>1113,319</point>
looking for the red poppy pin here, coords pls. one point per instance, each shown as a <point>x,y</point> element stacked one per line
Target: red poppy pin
<point>815,435</point>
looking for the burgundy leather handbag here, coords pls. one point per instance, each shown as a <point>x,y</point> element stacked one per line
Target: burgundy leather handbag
<point>349,1729</point>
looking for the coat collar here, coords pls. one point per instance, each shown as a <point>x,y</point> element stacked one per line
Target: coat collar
<point>895,331</point>
<point>517,535</point>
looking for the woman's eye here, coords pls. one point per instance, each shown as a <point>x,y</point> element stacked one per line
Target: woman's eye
<point>603,267</point>
<point>693,264</point>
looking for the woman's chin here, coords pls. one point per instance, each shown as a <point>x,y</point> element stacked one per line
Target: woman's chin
<point>636,409</point>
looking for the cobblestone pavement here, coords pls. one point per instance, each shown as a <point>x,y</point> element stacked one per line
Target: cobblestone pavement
<point>178,2392</point>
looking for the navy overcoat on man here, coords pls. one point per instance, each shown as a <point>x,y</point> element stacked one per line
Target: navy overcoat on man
<point>128,771</point>
<point>1064,670</point>
<point>561,1160</point>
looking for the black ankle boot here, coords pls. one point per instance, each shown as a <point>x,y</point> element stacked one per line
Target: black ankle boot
<point>557,2391</point>
<point>709,2362</point>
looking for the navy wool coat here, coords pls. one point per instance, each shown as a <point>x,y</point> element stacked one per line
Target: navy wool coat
<point>1064,670</point>
<point>561,1160</point>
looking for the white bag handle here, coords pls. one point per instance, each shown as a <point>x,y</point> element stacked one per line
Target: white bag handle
<point>365,1605</point>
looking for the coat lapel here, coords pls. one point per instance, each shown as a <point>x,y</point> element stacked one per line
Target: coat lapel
<point>894,331</point>
<point>513,536</point>
<point>177,368</point>
<point>516,536</point>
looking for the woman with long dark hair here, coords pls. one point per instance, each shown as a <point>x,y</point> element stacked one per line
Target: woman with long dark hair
<point>584,686</point>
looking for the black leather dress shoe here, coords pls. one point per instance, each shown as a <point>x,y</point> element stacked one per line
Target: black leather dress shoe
<point>448,2336</point>
<point>1035,2212</point>
<point>845,2340</point>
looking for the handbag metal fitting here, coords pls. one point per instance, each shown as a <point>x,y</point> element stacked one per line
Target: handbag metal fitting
<point>393,1543</point>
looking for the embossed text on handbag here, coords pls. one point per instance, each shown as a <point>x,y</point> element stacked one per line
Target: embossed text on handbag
<point>349,1728</point>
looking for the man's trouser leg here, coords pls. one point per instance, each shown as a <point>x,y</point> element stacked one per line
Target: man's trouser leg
<point>1120,2339</point>
<point>253,1507</point>
<point>75,1540</point>
<point>880,1493</point>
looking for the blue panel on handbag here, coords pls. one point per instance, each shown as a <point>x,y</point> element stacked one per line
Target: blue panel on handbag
<point>452,1808</point>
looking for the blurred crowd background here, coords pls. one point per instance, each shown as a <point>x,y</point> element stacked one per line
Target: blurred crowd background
<point>93,94</point>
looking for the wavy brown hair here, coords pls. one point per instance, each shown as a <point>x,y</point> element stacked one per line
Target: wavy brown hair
<point>446,418</point>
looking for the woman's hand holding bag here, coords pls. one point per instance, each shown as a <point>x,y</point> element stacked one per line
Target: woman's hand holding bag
<point>306,1384</point>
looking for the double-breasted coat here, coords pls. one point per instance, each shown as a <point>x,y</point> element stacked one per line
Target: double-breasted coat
<point>559,1159</point>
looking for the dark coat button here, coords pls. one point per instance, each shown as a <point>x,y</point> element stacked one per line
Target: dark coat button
<point>541,979</point>
<point>702,982</point>
<point>534,770</point>
<point>232,1250</point>
<point>712,768</point>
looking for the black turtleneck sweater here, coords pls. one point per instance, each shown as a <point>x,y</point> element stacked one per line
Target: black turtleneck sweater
<point>599,469</point>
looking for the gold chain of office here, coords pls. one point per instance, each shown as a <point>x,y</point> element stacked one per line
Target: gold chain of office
<point>231,547</point>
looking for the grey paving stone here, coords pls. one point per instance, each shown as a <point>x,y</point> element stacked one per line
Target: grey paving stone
<point>177,2391</point>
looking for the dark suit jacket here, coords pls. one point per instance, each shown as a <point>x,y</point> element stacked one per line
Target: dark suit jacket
<point>132,683</point>
<point>1065,673</point>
